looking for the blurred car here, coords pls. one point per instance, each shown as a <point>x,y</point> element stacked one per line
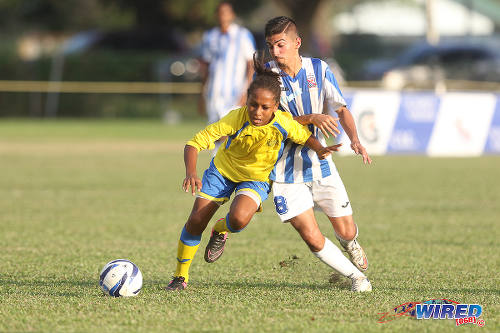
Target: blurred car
<point>169,56</point>
<point>150,39</point>
<point>180,63</point>
<point>424,65</point>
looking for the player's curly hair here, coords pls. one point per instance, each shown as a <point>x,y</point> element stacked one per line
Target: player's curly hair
<point>264,78</point>
<point>279,25</point>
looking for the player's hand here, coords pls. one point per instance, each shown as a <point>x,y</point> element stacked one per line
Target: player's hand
<point>191,182</point>
<point>325,151</point>
<point>358,148</point>
<point>326,123</point>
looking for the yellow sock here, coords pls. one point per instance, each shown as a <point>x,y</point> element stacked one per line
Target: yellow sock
<point>186,249</point>
<point>220,226</point>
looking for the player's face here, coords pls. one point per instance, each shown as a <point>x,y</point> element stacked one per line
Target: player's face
<point>283,47</point>
<point>261,105</point>
<point>225,16</point>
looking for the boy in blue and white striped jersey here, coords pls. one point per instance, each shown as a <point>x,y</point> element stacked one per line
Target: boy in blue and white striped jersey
<point>226,65</point>
<point>301,180</point>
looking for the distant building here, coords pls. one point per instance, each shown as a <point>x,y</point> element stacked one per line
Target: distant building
<point>393,17</point>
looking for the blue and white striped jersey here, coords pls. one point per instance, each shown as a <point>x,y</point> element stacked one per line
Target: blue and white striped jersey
<point>227,55</point>
<point>307,93</point>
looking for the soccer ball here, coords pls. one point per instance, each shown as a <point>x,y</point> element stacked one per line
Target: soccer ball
<point>120,277</point>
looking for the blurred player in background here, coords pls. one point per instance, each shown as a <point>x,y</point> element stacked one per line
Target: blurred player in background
<point>226,65</point>
<point>256,135</point>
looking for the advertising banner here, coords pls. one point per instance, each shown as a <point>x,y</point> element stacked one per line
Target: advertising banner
<point>493,140</point>
<point>452,124</point>
<point>374,113</point>
<point>462,125</point>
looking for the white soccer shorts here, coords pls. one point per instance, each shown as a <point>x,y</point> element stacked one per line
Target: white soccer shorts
<point>328,194</point>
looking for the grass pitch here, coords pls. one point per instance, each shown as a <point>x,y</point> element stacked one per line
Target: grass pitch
<point>77,194</point>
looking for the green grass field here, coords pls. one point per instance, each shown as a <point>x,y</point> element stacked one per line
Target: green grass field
<point>77,194</point>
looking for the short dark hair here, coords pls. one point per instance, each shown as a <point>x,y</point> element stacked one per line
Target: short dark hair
<point>264,78</point>
<point>279,25</point>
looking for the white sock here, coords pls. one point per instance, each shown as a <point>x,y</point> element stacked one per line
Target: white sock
<point>333,257</point>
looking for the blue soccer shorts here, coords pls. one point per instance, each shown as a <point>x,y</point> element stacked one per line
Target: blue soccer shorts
<point>216,187</point>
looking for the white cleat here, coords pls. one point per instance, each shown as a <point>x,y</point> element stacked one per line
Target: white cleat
<point>357,254</point>
<point>361,284</point>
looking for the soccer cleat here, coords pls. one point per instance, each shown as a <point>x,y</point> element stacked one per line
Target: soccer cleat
<point>361,284</point>
<point>177,283</point>
<point>356,253</point>
<point>215,246</point>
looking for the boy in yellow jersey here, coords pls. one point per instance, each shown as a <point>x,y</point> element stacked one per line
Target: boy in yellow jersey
<point>256,135</point>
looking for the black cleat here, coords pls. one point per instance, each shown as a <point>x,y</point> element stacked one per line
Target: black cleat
<point>215,246</point>
<point>177,283</point>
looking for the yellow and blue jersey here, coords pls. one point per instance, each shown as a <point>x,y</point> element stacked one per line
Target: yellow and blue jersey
<point>249,152</point>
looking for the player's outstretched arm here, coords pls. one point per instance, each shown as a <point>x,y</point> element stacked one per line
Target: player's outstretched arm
<point>347,122</point>
<point>321,151</point>
<point>325,122</point>
<point>191,181</point>
<point>358,149</point>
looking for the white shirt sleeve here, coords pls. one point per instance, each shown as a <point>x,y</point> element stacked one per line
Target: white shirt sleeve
<point>248,44</point>
<point>333,96</point>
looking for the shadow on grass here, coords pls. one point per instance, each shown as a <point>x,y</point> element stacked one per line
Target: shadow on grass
<point>335,282</point>
<point>285,285</point>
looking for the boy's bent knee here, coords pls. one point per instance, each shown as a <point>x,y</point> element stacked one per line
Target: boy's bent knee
<point>236,222</point>
<point>348,235</point>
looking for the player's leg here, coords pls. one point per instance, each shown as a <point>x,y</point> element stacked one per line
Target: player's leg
<point>243,208</point>
<point>326,251</point>
<point>203,210</point>
<point>289,196</point>
<point>241,212</point>
<point>248,200</point>
<point>330,195</point>
<point>346,231</point>
<point>309,231</point>
<point>344,227</point>
<point>215,191</point>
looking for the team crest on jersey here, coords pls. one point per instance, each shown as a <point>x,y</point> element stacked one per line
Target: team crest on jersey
<point>311,81</point>
<point>272,142</point>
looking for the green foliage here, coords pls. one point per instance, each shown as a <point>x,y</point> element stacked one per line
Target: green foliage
<point>74,15</point>
<point>56,15</point>
<point>97,65</point>
<point>74,195</point>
